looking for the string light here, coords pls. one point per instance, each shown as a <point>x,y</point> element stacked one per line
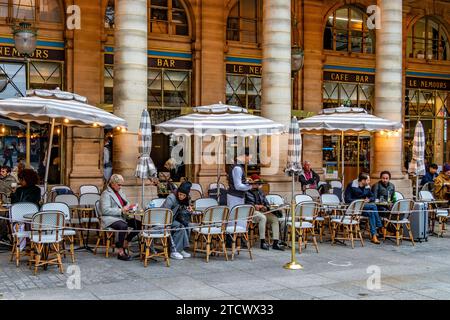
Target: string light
<point>124,130</point>
<point>58,131</point>
<point>66,120</point>
<point>95,124</point>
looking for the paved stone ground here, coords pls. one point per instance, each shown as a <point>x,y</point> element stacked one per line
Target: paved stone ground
<point>337,272</point>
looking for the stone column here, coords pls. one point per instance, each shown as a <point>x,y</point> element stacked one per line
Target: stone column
<point>130,81</point>
<point>276,85</point>
<point>388,88</point>
<point>313,71</point>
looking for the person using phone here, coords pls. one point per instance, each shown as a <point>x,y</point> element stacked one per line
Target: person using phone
<point>179,203</point>
<point>113,207</point>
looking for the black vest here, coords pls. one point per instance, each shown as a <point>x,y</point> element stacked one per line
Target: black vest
<point>231,189</point>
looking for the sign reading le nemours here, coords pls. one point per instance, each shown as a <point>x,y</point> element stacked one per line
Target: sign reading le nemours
<point>244,69</point>
<point>348,77</point>
<point>40,53</point>
<point>427,83</point>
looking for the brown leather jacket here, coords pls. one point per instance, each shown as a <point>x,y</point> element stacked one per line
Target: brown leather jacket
<point>442,187</point>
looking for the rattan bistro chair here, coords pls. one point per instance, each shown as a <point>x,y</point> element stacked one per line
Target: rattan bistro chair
<point>349,222</point>
<point>399,217</point>
<point>47,233</point>
<point>19,235</point>
<point>69,234</point>
<point>305,216</point>
<point>211,232</point>
<point>106,237</point>
<point>156,225</point>
<point>436,213</point>
<point>89,189</point>
<point>238,225</point>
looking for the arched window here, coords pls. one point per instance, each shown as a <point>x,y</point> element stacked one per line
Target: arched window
<point>346,30</point>
<point>168,17</point>
<point>244,22</point>
<point>47,11</point>
<point>165,17</point>
<point>428,39</point>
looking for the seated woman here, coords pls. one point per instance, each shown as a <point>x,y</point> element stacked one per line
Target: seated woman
<point>28,190</point>
<point>360,190</point>
<point>113,205</point>
<point>178,202</point>
<point>442,184</point>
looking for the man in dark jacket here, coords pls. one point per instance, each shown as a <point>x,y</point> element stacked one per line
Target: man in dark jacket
<point>430,175</point>
<point>257,198</point>
<point>360,189</point>
<point>383,189</point>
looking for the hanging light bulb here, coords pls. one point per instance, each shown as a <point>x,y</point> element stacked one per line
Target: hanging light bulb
<point>3,129</point>
<point>124,130</point>
<point>95,125</point>
<point>66,120</point>
<point>58,131</point>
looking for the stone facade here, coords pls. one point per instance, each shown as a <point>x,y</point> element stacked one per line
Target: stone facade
<point>206,54</point>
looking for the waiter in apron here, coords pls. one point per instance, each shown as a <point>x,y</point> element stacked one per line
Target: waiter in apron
<point>237,182</point>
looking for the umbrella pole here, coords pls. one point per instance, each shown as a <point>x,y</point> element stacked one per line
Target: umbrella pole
<point>218,169</point>
<point>49,153</point>
<point>342,160</point>
<point>143,190</point>
<point>28,145</point>
<point>293,265</point>
<point>357,160</point>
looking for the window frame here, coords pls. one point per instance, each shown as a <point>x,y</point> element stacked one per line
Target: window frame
<point>171,26</point>
<point>427,42</point>
<point>366,33</point>
<point>240,31</point>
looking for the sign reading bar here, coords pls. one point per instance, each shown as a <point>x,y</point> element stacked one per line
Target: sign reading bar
<point>165,63</point>
<point>39,53</point>
<point>427,83</point>
<point>255,70</point>
<point>348,77</point>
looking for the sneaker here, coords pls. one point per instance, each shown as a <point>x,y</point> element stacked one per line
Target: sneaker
<point>185,254</point>
<point>176,255</point>
<point>123,257</point>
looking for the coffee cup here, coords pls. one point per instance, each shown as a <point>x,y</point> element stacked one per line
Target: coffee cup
<point>14,185</point>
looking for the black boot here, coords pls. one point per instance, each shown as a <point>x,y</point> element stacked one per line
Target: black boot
<point>264,245</point>
<point>277,246</point>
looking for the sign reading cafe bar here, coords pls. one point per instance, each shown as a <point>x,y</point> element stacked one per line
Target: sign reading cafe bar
<point>348,77</point>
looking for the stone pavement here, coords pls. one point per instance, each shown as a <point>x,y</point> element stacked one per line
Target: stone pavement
<point>337,272</point>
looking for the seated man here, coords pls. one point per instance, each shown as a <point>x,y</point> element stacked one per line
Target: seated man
<point>360,189</point>
<point>430,175</point>
<point>309,179</point>
<point>7,181</point>
<point>384,190</point>
<point>442,184</point>
<point>256,197</point>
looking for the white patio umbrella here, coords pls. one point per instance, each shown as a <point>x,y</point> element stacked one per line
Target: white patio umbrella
<point>346,120</point>
<point>220,120</point>
<point>294,167</point>
<point>417,165</point>
<point>57,107</point>
<point>145,168</point>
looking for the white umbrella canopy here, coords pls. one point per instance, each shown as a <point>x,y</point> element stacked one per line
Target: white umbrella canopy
<point>220,120</point>
<point>57,107</point>
<point>41,105</point>
<point>348,120</point>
